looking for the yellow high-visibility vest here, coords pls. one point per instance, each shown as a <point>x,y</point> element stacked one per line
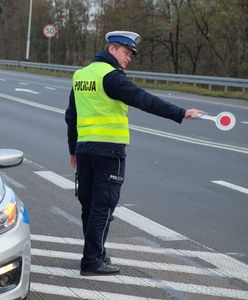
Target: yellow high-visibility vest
<point>99,118</point>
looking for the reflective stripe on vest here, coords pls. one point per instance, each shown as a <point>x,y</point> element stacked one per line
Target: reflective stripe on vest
<point>102,120</point>
<point>99,118</point>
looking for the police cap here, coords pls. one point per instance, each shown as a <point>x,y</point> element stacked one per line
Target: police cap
<point>126,38</point>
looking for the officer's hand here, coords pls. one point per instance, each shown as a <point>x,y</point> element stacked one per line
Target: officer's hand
<point>193,113</point>
<point>73,161</point>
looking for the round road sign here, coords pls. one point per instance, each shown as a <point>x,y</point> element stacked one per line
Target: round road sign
<point>50,31</point>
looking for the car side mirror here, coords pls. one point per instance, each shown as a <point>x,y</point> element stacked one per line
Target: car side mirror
<point>10,158</point>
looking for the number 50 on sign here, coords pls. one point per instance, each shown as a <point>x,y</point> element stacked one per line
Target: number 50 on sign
<point>50,31</point>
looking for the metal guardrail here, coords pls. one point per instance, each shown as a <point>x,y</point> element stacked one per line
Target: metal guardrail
<point>156,77</point>
<point>34,65</point>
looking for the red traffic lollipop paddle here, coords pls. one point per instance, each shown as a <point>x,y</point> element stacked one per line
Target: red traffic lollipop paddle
<point>224,120</point>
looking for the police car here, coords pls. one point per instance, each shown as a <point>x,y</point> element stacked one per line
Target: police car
<point>15,246</point>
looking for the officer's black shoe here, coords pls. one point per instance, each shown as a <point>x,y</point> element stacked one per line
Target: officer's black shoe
<point>104,269</point>
<point>107,260</point>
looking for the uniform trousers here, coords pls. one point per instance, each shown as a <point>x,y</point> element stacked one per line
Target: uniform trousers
<point>99,183</point>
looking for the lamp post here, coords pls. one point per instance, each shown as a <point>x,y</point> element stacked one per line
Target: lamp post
<point>29,29</point>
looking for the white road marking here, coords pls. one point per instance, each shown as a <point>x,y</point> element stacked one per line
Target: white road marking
<point>117,246</point>
<point>231,186</point>
<point>201,100</point>
<point>31,103</point>
<point>50,88</point>
<point>14,182</point>
<point>244,122</point>
<point>56,179</point>
<point>82,293</point>
<point>141,129</point>
<point>131,262</point>
<point>23,83</point>
<point>226,266</point>
<point>147,225</point>
<point>189,139</point>
<point>139,221</point>
<point>65,214</point>
<point>26,91</point>
<point>145,282</point>
<point>128,262</point>
<point>221,261</point>
<point>1,79</point>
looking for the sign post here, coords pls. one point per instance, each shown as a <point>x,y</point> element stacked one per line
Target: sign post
<point>49,32</point>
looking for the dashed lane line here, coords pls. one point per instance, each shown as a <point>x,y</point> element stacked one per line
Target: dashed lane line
<point>147,225</point>
<point>50,88</point>
<point>231,186</point>
<point>56,179</point>
<point>57,210</point>
<point>22,83</point>
<point>17,184</point>
<point>26,91</point>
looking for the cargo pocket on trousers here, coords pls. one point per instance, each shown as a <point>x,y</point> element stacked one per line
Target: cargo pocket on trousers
<point>115,183</point>
<point>116,180</point>
<point>114,196</point>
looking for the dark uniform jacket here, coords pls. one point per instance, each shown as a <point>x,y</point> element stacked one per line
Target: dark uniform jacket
<point>118,87</point>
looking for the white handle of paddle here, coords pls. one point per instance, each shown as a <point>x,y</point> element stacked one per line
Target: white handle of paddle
<point>207,117</point>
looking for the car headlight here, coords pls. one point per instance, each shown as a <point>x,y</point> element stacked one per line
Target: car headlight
<point>8,209</point>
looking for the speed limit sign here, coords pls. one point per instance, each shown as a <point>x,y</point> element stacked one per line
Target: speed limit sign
<point>50,31</point>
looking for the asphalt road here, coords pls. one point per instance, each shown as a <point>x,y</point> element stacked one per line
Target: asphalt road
<point>189,178</point>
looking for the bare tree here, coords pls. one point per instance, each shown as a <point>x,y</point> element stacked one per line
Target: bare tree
<point>170,32</point>
<point>207,37</point>
<point>13,28</point>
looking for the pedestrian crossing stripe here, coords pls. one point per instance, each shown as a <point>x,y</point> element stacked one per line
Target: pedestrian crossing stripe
<point>131,262</point>
<point>144,282</point>
<point>82,293</point>
<point>223,267</point>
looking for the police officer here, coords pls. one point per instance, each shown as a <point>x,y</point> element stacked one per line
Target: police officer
<point>98,133</point>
